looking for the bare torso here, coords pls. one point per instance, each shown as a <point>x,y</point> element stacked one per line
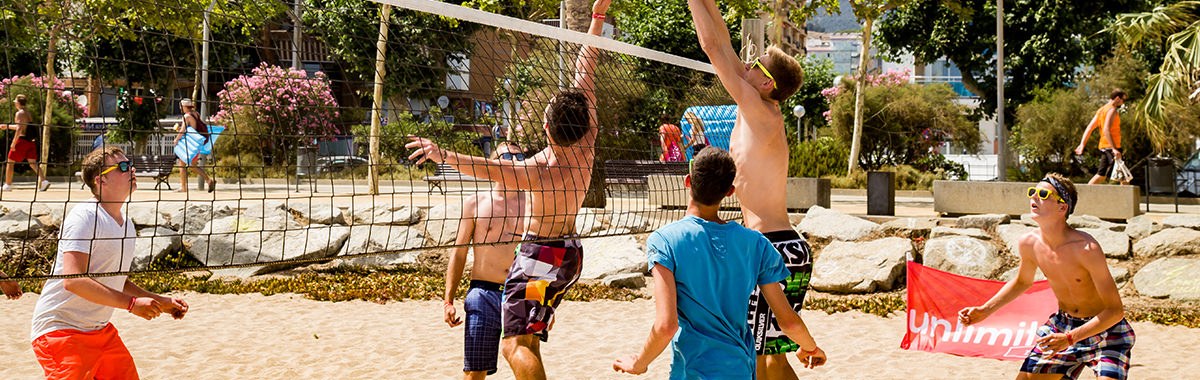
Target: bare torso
<point>498,219</point>
<point>1071,282</point>
<point>564,177</point>
<point>759,147</point>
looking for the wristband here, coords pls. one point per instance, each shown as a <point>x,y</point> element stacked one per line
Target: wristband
<point>598,16</point>
<point>131,302</point>
<point>1070,340</point>
<point>814,350</point>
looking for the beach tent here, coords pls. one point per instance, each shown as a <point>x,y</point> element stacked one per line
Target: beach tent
<point>718,124</point>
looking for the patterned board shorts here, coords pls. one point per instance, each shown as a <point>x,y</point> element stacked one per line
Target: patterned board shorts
<point>539,277</point>
<point>1106,353</point>
<point>481,343</point>
<point>769,339</point>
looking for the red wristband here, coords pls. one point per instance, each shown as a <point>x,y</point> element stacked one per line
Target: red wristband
<point>598,16</point>
<point>814,350</point>
<point>1070,340</point>
<point>131,302</point>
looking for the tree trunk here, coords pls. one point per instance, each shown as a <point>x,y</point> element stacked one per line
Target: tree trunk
<point>777,21</point>
<point>859,86</point>
<point>48,110</point>
<point>385,14</point>
<point>579,15</point>
<point>195,85</point>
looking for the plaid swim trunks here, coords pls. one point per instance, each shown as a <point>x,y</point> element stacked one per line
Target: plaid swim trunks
<point>481,343</point>
<point>1106,353</point>
<point>540,275</point>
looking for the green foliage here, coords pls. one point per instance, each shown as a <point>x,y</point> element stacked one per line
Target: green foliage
<point>816,158</point>
<point>818,75</point>
<point>394,134</point>
<point>903,122</point>
<point>1048,128</point>
<point>63,129</point>
<point>907,178</point>
<point>137,117</point>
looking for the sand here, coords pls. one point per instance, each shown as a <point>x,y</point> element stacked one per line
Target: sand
<point>287,336</point>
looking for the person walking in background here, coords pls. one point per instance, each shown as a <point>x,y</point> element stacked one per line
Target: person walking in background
<point>1109,122</point>
<point>192,140</point>
<point>696,139</point>
<point>23,148</point>
<point>671,140</point>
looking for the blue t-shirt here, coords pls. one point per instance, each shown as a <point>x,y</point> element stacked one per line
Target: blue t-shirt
<point>716,267</point>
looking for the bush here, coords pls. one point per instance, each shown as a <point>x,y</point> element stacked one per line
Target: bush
<point>64,130</point>
<point>815,158</point>
<point>1048,128</point>
<point>907,178</point>
<point>273,111</point>
<point>137,118</point>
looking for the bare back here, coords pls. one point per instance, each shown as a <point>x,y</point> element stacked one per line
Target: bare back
<point>759,147</point>
<point>1073,284</point>
<point>498,220</point>
<point>564,175</point>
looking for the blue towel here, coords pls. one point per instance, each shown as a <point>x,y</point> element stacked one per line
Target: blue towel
<point>192,144</point>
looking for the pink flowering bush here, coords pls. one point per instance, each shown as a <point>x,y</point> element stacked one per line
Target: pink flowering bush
<point>274,110</point>
<point>64,128</point>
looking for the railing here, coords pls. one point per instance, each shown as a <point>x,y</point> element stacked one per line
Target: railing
<point>981,167</point>
<point>955,83</point>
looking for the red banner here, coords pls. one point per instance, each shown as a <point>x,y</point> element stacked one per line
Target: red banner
<point>935,297</point>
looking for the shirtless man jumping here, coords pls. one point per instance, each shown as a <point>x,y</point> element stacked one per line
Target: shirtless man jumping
<point>496,217</point>
<point>557,178</point>
<point>759,147</point>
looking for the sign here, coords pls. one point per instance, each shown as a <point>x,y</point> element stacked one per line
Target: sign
<point>935,297</point>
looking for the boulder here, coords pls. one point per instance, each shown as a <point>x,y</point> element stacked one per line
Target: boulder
<point>366,241</point>
<point>587,221</point>
<point>1012,273</point>
<point>441,224</point>
<point>153,243</point>
<point>861,267</point>
<point>1026,219</point>
<point>633,221</point>
<point>612,255</point>
<point>192,218</point>
<point>50,214</point>
<point>829,224</point>
<point>627,280</point>
<point>399,216</point>
<point>1088,221</point>
<point>910,227</point>
<point>269,208</point>
<point>1141,226</point>
<point>983,222</point>
<point>1168,242</point>
<point>1182,221</point>
<point>1115,244</point>
<point>968,232</point>
<point>1011,235</point>
<point>238,239</point>
<point>146,214</point>
<point>963,255</point>
<point>1171,277</point>
<point>318,213</point>
<point>18,224</point>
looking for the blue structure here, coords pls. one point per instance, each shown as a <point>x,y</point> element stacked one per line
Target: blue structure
<point>718,125</point>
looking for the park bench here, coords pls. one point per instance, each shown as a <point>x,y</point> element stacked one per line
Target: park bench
<point>634,172</point>
<point>445,174</point>
<point>157,167</point>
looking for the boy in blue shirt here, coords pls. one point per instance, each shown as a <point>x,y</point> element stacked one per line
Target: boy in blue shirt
<point>704,268</point>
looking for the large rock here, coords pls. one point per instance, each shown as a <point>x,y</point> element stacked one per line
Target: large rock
<point>1115,244</point>
<point>829,224</point>
<point>1012,273</point>
<point>398,216</point>
<point>153,243</point>
<point>983,222</point>
<point>194,217</point>
<point>968,232</point>
<point>910,227</point>
<point>1088,221</point>
<point>848,267</point>
<point>612,255</point>
<point>146,214</point>
<point>268,208</point>
<point>236,240</point>
<point>1141,226</point>
<point>1182,221</point>
<point>1011,235</point>
<point>1169,242</point>
<point>627,280</point>
<point>18,224</point>
<point>1172,277</point>
<point>50,214</point>
<point>441,224</point>
<point>1026,219</point>
<point>317,213</point>
<point>587,221</point>
<point>367,241</point>
<point>963,255</point>
<point>633,221</point>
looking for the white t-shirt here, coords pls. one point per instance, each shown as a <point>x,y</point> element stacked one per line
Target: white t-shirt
<point>110,245</point>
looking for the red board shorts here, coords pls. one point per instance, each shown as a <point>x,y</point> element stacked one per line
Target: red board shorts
<point>74,354</point>
<point>25,150</point>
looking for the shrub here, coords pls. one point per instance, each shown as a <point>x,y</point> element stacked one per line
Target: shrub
<point>64,129</point>
<point>273,111</point>
<point>815,158</point>
<point>137,118</point>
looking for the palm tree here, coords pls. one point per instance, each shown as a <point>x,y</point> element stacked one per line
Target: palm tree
<point>1176,28</point>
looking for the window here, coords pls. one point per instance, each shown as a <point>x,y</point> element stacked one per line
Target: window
<point>459,76</point>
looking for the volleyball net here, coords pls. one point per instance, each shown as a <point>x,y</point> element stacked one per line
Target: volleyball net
<point>287,95</point>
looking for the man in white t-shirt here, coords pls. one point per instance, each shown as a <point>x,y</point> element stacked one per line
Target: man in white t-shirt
<point>72,337</point>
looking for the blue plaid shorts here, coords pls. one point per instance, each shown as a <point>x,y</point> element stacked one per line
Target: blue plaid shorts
<point>1107,353</point>
<point>482,333</point>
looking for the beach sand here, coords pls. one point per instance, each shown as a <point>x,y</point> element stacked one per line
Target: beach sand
<point>287,336</point>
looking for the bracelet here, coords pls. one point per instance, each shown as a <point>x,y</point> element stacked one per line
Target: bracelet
<point>132,300</point>
<point>598,16</point>
<point>1070,340</point>
<point>814,350</point>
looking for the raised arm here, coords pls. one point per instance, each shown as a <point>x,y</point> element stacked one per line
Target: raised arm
<point>585,63</point>
<point>715,40</point>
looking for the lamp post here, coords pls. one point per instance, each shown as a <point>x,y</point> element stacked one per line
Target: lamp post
<point>799,112</point>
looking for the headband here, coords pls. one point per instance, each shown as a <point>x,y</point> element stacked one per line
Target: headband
<point>1062,193</point>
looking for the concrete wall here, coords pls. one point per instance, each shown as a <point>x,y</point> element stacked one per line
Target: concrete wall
<point>667,191</point>
<point>963,197</point>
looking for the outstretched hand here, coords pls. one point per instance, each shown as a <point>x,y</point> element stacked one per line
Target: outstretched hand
<point>175,306</point>
<point>972,315</point>
<point>628,365</point>
<point>601,6</point>
<point>426,150</point>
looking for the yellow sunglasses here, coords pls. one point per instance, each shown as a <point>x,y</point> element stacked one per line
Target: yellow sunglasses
<point>759,65</point>
<point>124,166</point>
<point>1042,194</point>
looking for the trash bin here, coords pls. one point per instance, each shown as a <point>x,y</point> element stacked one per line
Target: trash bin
<point>881,193</point>
<point>1160,176</point>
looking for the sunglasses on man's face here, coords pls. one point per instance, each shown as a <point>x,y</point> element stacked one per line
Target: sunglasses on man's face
<point>123,166</point>
<point>758,63</point>
<point>512,156</point>
<point>1042,194</point>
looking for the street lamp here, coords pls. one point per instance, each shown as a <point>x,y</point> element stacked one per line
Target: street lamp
<point>799,112</point>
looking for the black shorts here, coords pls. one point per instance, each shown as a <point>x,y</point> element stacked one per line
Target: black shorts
<point>1106,163</point>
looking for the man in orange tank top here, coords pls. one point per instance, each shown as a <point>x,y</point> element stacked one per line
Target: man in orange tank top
<point>1109,123</point>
